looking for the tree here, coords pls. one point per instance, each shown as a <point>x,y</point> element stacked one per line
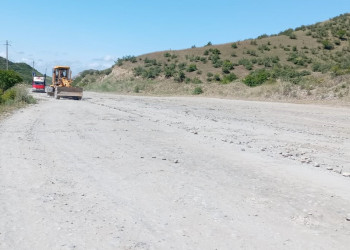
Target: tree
<point>8,79</point>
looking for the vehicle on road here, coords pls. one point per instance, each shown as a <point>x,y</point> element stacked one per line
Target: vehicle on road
<point>38,83</point>
<point>62,84</point>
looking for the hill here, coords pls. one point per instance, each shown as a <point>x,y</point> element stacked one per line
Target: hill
<point>23,69</point>
<point>310,61</point>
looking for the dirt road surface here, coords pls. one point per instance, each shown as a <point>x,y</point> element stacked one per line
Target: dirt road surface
<point>122,172</point>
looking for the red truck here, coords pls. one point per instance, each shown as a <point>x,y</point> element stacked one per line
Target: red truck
<point>38,84</point>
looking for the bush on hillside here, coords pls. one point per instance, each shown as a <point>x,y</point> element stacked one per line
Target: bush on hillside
<point>229,78</point>
<point>170,71</point>
<point>180,76</point>
<point>8,79</point>
<point>191,68</point>
<point>257,77</point>
<point>327,45</point>
<point>263,36</point>
<point>197,91</point>
<point>227,66</point>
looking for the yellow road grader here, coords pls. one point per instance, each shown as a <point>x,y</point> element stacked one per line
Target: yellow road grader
<point>61,84</point>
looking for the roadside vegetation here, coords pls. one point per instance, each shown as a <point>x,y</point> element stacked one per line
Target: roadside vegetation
<point>13,93</point>
<point>313,61</point>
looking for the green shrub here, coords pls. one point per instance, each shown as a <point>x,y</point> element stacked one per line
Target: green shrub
<point>321,67</point>
<point>215,51</point>
<point>137,89</point>
<point>209,44</point>
<point>182,66</point>
<point>299,58</point>
<point>227,66</point>
<point>209,74</point>
<point>341,34</point>
<point>8,79</point>
<point>191,68</point>
<point>263,36</point>
<point>293,36</point>
<point>170,71</point>
<point>138,71</point>
<point>151,73</point>
<point>229,78</point>
<point>197,91</point>
<point>218,64</point>
<point>246,63</point>
<point>234,46</point>
<point>287,32</point>
<point>256,77</point>
<point>263,47</point>
<point>196,80</point>
<point>180,76</point>
<point>16,94</point>
<point>217,77</point>
<point>327,45</point>
<point>8,95</point>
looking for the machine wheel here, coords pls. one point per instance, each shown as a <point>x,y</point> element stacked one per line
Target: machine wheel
<point>56,95</point>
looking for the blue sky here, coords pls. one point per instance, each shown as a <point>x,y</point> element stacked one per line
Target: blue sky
<point>93,34</point>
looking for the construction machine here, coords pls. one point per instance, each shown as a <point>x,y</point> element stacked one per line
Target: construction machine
<point>61,84</point>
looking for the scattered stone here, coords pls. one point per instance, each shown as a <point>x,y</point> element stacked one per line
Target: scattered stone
<point>195,132</point>
<point>242,149</point>
<point>154,157</point>
<point>348,217</point>
<point>338,171</point>
<point>163,159</point>
<point>329,168</point>
<point>317,165</point>
<point>176,161</point>
<point>263,149</point>
<point>346,174</point>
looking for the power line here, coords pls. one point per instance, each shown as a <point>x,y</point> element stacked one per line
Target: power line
<point>7,54</point>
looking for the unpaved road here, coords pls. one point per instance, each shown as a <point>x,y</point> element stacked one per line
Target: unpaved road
<point>119,172</point>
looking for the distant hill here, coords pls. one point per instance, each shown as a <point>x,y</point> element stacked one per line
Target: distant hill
<point>23,69</point>
<point>305,59</point>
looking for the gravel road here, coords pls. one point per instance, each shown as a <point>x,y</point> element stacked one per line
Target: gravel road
<point>124,172</point>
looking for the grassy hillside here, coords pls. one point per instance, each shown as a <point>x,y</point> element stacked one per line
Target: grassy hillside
<point>306,62</point>
<point>23,69</point>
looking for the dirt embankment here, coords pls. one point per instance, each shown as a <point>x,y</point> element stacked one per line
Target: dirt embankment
<point>121,172</point>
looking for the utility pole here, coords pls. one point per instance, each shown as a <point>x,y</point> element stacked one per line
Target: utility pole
<point>7,54</point>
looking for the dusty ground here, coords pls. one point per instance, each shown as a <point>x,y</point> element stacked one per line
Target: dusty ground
<point>119,172</point>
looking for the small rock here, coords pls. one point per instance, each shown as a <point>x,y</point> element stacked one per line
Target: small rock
<point>176,161</point>
<point>317,165</point>
<point>163,159</point>
<point>242,149</point>
<point>346,174</point>
<point>348,217</point>
<point>329,168</point>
